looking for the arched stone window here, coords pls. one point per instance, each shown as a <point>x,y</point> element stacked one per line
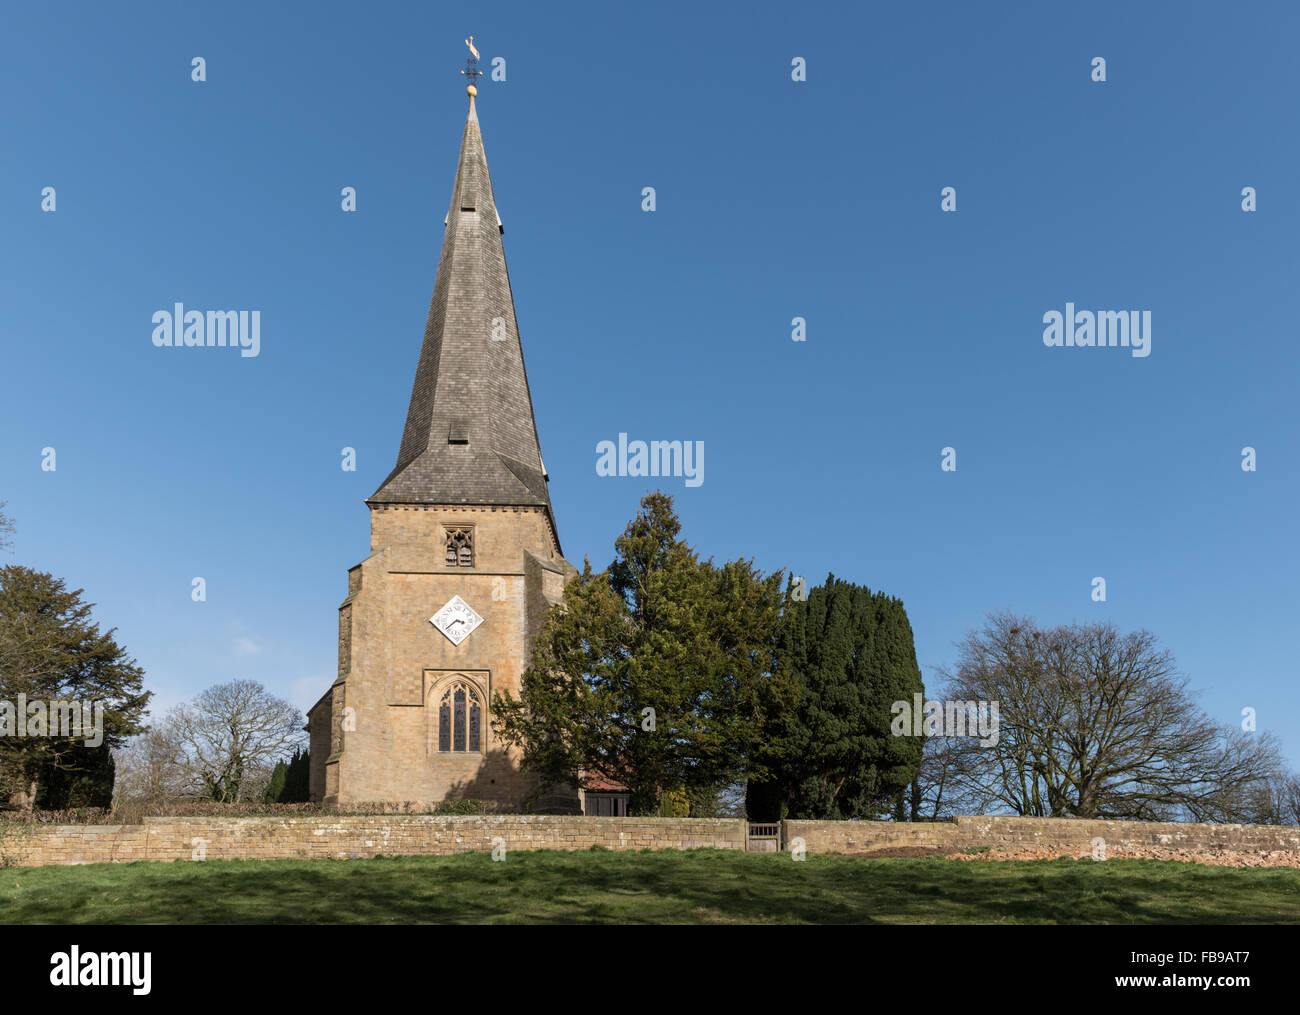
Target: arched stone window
<point>460,719</point>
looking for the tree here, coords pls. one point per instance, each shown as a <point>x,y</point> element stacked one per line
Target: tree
<point>52,652</point>
<point>297,781</point>
<point>942,786</point>
<point>275,788</point>
<point>227,742</point>
<point>290,780</point>
<point>1098,724</point>
<point>656,672</point>
<point>851,653</point>
<point>148,773</point>
<point>1274,800</point>
<point>6,528</point>
<point>84,780</point>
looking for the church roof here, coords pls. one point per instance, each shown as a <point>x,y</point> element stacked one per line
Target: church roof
<point>470,435</point>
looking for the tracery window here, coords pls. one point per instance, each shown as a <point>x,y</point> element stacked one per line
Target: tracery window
<point>460,720</point>
<point>460,546</point>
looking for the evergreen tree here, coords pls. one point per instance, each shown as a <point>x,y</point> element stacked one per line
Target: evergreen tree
<point>275,788</point>
<point>290,780</point>
<point>84,778</point>
<point>851,653</point>
<point>51,650</point>
<point>656,673</point>
<point>297,779</point>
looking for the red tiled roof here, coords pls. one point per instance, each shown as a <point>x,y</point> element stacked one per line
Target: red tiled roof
<point>598,782</point>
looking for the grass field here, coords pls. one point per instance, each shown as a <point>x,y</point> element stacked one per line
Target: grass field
<point>700,886</point>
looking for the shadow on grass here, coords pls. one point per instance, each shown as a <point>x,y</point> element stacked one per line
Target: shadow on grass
<point>698,886</point>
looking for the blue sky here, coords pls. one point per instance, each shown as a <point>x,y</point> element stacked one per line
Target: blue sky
<point>775,199</point>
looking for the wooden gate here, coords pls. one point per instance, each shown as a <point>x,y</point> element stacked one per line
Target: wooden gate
<point>763,837</point>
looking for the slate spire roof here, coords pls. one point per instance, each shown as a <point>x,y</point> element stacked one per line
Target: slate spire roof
<point>470,435</point>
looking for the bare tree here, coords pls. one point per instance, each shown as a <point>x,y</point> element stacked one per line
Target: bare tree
<point>1274,800</point>
<point>226,743</point>
<point>944,785</point>
<point>1097,724</point>
<point>148,770</point>
<point>6,528</point>
<point>1288,800</point>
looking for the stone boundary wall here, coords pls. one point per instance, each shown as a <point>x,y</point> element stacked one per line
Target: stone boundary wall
<point>320,837</point>
<point>275,838</point>
<point>963,834</point>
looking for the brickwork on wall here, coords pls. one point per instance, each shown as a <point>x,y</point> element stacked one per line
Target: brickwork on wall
<point>395,835</point>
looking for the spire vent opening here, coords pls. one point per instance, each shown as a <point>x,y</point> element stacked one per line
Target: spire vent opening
<point>458,433</point>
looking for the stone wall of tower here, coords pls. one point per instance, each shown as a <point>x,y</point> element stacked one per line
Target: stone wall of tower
<point>318,746</point>
<point>394,664</point>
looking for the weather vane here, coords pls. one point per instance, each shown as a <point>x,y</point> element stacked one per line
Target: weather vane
<point>471,70</point>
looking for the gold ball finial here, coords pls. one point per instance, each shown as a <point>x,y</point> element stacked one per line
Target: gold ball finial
<point>471,91</point>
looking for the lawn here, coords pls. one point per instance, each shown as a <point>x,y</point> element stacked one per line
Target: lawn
<point>699,886</point>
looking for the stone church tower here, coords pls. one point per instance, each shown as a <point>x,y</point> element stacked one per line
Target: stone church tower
<point>464,554</point>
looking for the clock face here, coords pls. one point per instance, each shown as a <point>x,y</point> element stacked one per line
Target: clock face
<point>457,620</point>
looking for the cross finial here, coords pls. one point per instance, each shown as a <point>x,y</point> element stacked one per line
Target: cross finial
<point>471,70</point>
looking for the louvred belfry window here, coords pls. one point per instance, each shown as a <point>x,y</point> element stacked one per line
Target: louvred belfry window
<point>460,546</point>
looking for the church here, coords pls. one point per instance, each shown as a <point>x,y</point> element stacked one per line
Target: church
<point>465,556</point>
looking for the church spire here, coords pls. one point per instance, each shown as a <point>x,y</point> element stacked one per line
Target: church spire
<point>470,435</point>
